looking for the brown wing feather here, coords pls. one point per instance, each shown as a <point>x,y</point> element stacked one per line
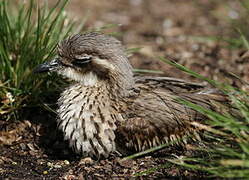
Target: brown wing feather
<point>155,116</point>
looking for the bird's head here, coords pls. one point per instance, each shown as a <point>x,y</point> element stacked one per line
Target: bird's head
<point>88,58</point>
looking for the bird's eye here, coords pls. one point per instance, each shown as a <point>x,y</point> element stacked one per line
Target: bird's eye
<point>81,60</point>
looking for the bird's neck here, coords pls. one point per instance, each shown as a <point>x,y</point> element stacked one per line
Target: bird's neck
<point>117,83</point>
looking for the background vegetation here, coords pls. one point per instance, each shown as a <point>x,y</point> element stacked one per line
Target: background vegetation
<point>29,33</point>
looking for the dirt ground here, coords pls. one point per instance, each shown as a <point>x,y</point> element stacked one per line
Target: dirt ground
<point>33,149</point>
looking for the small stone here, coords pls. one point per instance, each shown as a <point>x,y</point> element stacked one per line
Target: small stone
<point>102,162</point>
<point>69,177</point>
<point>49,164</point>
<point>86,160</point>
<point>66,162</point>
<point>40,161</point>
<point>126,163</point>
<point>57,166</point>
<point>23,146</point>
<point>14,163</point>
<point>31,147</point>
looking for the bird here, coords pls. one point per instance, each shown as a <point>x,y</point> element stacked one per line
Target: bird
<point>108,109</point>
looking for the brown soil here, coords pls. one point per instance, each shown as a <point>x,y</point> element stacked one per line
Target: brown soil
<point>33,149</point>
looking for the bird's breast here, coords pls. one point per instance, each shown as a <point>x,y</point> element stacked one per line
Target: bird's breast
<point>87,118</point>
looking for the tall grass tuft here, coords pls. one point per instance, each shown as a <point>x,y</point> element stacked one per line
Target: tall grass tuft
<point>228,155</point>
<point>29,33</point>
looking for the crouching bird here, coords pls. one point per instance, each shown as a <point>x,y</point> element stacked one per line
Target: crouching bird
<point>107,109</point>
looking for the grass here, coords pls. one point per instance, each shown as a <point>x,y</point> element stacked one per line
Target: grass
<point>229,156</point>
<point>242,23</point>
<point>29,33</point>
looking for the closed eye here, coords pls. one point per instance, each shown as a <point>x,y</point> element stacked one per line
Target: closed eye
<point>81,60</point>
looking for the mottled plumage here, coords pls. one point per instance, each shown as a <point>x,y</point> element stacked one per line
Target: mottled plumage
<point>108,109</point>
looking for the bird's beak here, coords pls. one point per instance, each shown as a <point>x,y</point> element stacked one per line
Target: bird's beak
<point>47,66</point>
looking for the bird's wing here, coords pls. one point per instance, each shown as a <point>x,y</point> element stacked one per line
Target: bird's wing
<point>155,116</point>
<point>179,86</point>
<point>169,84</point>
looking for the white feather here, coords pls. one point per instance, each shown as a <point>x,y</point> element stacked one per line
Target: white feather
<point>87,79</point>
